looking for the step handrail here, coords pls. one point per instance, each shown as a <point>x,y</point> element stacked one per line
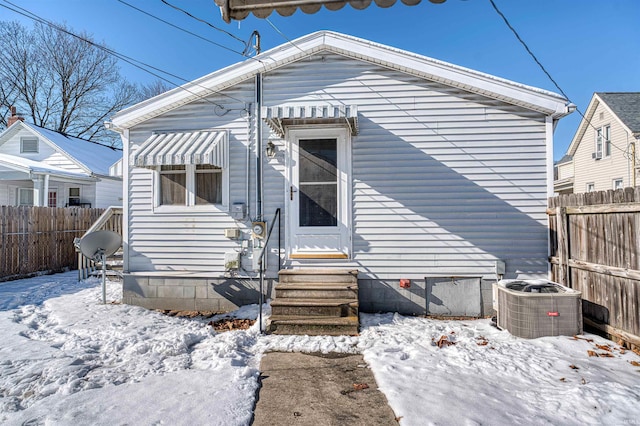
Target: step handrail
<point>261,261</point>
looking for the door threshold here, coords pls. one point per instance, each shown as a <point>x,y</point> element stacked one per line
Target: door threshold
<point>319,256</point>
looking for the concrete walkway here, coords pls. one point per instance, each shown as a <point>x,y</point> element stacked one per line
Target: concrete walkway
<point>319,390</point>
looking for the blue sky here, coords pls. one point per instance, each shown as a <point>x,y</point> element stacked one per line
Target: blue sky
<point>586,45</point>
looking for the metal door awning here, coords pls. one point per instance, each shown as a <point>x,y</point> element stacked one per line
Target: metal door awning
<point>240,9</point>
<point>279,117</point>
<point>180,148</point>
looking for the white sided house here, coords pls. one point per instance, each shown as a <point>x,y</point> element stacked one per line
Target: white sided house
<point>427,179</point>
<point>41,167</point>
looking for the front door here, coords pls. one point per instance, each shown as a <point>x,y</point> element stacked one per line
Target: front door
<point>319,207</point>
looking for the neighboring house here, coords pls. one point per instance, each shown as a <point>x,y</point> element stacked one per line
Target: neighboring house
<point>563,176</point>
<point>603,153</point>
<point>382,161</point>
<point>40,167</point>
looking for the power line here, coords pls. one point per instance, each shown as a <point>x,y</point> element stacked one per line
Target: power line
<point>203,21</point>
<point>134,62</point>
<point>180,28</point>
<point>282,34</point>
<point>513,30</point>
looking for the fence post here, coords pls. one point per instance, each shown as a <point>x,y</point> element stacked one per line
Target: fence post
<point>562,235</point>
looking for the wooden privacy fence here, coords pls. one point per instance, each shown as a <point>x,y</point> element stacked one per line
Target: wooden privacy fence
<point>40,239</point>
<point>595,249</point>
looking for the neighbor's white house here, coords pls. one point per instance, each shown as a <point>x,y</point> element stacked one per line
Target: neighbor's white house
<point>41,167</point>
<point>602,151</point>
<point>380,160</point>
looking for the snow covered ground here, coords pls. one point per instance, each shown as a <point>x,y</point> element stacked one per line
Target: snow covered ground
<point>66,359</point>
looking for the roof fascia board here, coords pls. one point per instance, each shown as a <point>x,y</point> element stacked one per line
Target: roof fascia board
<point>582,127</point>
<point>451,75</point>
<point>216,82</point>
<point>10,132</point>
<point>508,91</point>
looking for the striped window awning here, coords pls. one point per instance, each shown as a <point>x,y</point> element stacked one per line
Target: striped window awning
<point>179,148</point>
<point>279,117</point>
<point>240,9</point>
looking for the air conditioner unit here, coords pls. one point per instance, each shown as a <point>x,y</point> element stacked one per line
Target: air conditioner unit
<point>537,308</point>
<point>596,155</point>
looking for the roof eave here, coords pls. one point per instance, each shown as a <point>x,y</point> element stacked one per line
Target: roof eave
<point>545,102</point>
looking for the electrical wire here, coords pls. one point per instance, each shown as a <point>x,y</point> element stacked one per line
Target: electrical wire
<point>204,22</point>
<point>282,34</point>
<point>513,30</point>
<point>132,61</point>
<point>180,28</point>
<point>247,45</point>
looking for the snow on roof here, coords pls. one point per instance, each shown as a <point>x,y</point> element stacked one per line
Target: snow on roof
<point>94,157</point>
<point>27,165</point>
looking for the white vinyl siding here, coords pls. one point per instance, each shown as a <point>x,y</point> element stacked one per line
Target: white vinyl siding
<point>444,182</point>
<point>108,193</point>
<point>189,239</point>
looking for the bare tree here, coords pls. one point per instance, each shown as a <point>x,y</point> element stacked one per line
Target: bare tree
<point>155,88</point>
<point>61,82</point>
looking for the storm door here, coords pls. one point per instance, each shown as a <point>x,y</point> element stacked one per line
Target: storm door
<point>318,194</point>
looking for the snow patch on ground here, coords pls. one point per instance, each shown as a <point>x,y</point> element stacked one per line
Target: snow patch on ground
<point>67,359</point>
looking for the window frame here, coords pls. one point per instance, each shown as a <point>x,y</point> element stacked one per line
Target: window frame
<point>24,139</point>
<point>592,185</point>
<point>613,181</point>
<point>190,196</point>
<point>70,197</point>
<point>18,196</point>
<point>603,142</point>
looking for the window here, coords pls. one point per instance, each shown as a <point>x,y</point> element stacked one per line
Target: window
<point>591,187</point>
<point>603,142</point>
<point>208,184</point>
<point>52,198</point>
<point>173,185</point>
<point>28,145</point>
<point>618,183</point>
<point>190,185</point>
<point>25,196</point>
<point>74,196</point>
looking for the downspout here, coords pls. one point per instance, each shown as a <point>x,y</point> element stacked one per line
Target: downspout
<point>549,127</point>
<point>248,161</point>
<point>258,124</point>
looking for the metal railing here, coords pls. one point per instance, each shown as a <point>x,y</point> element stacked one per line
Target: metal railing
<point>110,220</point>
<point>261,261</point>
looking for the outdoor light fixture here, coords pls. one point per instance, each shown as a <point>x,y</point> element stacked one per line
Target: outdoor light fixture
<point>271,149</point>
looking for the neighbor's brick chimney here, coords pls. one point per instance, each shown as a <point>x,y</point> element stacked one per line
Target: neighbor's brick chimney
<point>13,118</point>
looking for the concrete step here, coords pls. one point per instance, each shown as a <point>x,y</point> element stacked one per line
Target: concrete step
<point>308,275</point>
<point>315,307</point>
<point>317,291</point>
<point>313,326</point>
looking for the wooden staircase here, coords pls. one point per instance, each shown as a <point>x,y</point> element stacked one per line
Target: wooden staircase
<point>315,302</point>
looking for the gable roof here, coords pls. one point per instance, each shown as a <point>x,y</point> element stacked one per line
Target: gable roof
<point>543,101</point>
<point>625,106</point>
<point>91,157</point>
